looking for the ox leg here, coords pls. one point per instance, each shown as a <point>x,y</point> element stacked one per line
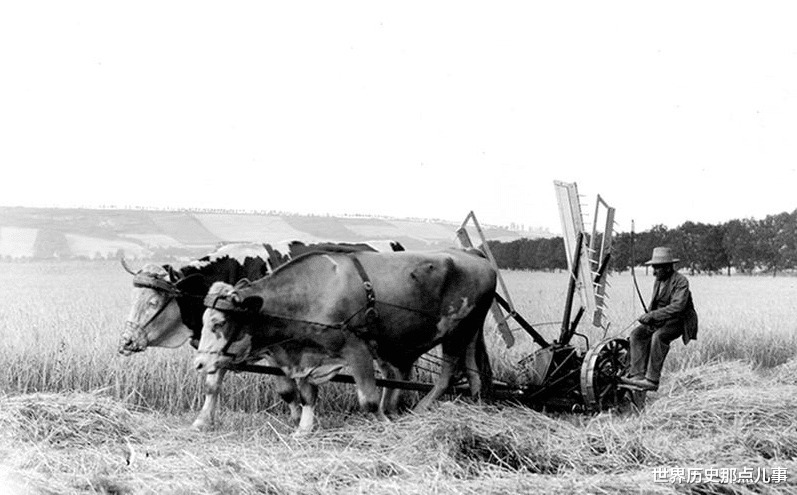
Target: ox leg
<point>207,415</point>
<point>362,367</point>
<point>289,392</point>
<point>477,360</point>
<point>447,371</point>
<point>308,394</point>
<point>391,396</point>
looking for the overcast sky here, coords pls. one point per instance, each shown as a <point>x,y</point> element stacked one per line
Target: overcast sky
<point>672,111</point>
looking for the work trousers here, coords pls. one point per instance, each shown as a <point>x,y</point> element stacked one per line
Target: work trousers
<point>649,348</point>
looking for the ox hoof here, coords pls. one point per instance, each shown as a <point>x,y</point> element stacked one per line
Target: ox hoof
<point>296,415</point>
<point>202,425</point>
<point>300,434</point>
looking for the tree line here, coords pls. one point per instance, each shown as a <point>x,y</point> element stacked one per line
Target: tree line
<point>743,246</point>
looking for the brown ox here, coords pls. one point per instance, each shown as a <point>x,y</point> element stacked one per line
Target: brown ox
<point>320,312</point>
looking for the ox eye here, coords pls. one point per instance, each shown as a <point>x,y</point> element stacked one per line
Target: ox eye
<point>153,303</point>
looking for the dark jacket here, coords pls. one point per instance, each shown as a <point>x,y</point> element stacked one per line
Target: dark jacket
<point>672,305</point>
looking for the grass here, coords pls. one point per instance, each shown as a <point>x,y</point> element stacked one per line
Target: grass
<point>72,410</point>
<point>717,416</point>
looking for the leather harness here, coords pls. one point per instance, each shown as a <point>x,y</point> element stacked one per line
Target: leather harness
<point>371,314</point>
<point>226,303</point>
<point>150,281</point>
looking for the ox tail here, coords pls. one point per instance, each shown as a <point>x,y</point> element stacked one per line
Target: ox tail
<point>483,366</point>
<point>479,348</point>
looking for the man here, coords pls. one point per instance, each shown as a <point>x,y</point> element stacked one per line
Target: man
<point>671,315</point>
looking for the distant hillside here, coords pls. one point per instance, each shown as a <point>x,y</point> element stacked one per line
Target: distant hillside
<point>70,233</point>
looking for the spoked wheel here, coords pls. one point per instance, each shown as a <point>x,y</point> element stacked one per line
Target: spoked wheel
<point>600,374</point>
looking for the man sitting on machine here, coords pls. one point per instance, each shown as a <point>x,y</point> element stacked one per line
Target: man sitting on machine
<point>671,315</point>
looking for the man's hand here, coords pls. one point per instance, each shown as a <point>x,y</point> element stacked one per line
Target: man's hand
<point>645,319</point>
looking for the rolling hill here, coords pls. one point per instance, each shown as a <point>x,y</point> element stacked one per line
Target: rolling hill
<point>77,233</point>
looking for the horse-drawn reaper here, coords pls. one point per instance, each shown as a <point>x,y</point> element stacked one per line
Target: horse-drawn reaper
<point>321,312</point>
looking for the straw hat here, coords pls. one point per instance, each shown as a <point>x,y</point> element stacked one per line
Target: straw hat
<point>661,256</point>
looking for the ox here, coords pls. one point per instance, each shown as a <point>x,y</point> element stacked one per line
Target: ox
<point>320,312</point>
<point>167,302</point>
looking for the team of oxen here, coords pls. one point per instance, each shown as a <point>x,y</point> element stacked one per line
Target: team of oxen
<point>313,310</point>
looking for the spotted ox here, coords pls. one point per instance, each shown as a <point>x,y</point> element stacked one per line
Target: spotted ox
<point>322,311</point>
<point>167,301</point>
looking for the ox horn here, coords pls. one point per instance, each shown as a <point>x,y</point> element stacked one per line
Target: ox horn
<point>127,267</point>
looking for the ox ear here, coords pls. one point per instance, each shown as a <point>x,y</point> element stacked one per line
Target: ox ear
<point>244,282</point>
<point>174,275</point>
<point>253,303</point>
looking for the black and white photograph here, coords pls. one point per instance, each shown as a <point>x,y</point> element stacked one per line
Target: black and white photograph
<point>398,248</point>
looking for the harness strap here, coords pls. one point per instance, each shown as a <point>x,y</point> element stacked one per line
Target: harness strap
<point>150,281</point>
<point>371,314</point>
<point>157,283</point>
<point>223,303</point>
<point>169,298</point>
<point>227,304</point>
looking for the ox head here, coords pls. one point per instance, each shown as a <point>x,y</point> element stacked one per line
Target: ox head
<point>226,324</point>
<point>154,318</point>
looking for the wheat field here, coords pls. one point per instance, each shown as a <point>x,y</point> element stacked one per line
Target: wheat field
<point>77,417</point>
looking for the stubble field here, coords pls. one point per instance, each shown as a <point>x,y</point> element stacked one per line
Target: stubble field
<point>76,417</point>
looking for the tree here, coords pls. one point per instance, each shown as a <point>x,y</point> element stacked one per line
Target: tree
<point>739,245</point>
<point>770,243</point>
<point>621,252</point>
<point>772,246</point>
<point>711,253</point>
<point>687,244</point>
